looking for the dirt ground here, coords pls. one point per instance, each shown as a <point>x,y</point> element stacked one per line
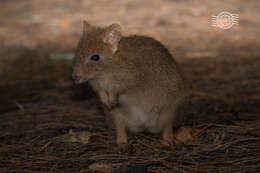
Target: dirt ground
<point>39,104</point>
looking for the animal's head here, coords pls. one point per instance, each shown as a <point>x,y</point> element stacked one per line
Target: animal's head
<point>95,52</point>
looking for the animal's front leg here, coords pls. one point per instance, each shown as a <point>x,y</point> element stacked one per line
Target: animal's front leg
<point>112,99</point>
<point>103,97</point>
<point>108,99</point>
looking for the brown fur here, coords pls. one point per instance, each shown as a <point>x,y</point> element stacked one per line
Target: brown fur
<point>136,77</point>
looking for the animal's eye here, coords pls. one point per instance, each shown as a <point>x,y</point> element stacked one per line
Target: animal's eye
<point>95,57</point>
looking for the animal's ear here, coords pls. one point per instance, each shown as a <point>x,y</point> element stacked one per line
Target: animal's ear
<point>112,36</point>
<point>86,27</point>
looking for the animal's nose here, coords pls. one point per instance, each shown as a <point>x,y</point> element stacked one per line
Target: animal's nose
<point>75,78</point>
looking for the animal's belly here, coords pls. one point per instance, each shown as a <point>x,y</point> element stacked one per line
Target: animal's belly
<point>139,113</point>
<point>138,116</point>
<point>140,119</point>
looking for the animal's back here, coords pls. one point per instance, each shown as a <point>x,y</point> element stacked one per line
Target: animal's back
<point>154,63</point>
<point>144,47</point>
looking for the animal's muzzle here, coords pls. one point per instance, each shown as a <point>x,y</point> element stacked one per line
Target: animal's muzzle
<point>76,78</point>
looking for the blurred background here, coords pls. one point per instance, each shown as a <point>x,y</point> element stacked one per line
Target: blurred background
<point>185,26</point>
<point>38,100</point>
<point>52,28</point>
<point>33,33</point>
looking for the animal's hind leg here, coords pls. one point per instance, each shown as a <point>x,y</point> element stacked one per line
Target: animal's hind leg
<point>166,125</point>
<point>167,133</point>
<point>120,124</point>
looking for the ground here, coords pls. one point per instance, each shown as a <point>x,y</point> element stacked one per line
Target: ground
<point>40,105</point>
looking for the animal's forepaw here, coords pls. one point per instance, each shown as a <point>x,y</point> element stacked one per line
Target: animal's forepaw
<point>111,104</point>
